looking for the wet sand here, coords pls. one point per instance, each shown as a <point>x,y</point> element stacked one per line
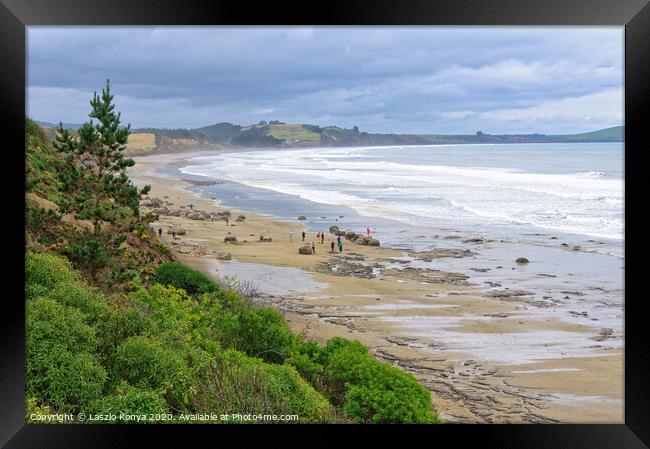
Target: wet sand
<point>485,358</point>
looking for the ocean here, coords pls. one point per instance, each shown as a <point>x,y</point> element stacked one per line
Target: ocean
<point>516,192</point>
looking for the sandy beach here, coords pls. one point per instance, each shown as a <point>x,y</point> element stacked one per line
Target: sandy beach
<point>488,356</point>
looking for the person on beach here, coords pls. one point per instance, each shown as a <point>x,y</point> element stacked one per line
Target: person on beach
<point>332,246</point>
<point>191,206</point>
<point>303,236</point>
<point>173,235</point>
<point>368,230</point>
<point>212,218</point>
<point>291,235</point>
<point>159,233</point>
<point>338,239</point>
<point>226,221</point>
<point>318,235</point>
<point>322,238</point>
<point>313,248</point>
<point>340,246</point>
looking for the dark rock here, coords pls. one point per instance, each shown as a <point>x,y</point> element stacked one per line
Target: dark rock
<point>302,217</point>
<point>230,239</point>
<point>373,242</point>
<point>306,249</point>
<point>522,260</point>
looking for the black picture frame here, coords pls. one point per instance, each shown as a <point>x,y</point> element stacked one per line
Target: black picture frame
<point>634,15</point>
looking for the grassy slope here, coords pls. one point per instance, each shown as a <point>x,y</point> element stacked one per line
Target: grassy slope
<point>614,134</point>
<point>291,133</point>
<point>141,142</point>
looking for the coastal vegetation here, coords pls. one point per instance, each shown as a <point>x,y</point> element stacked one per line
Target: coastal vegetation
<point>116,326</point>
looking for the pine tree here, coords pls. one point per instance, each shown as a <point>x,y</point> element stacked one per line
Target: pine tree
<point>95,174</point>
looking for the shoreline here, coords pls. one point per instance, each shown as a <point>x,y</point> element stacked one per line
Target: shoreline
<point>417,319</point>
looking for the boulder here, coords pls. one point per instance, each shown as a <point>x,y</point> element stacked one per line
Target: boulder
<point>179,231</point>
<point>230,239</point>
<point>224,213</point>
<point>302,217</point>
<point>373,242</point>
<point>522,260</point>
<point>334,229</point>
<point>240,218</point>
<point>340,233</point>
<point>351,235</point>
<point>305,250</point>
<point>224,255</point>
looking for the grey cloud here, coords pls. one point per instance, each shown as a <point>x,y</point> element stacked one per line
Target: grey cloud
<point>391,79</point>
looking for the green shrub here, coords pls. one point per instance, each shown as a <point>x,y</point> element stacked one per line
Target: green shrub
<point>65,380</point>
<point>371,391</point>
<point>53,277</point>
<point>144,362</point>
<point>50,324</point>
<point>235,383</point>
<point>257,331</point>
<point>32,406</point>
<point>130,400</point>
<point>60,366</point>
<point>169,308</point>
<point>45,270</point>
<point>75,382</point>
<point>119,324</point>
<point>305,360</point>
<point>181,276</point>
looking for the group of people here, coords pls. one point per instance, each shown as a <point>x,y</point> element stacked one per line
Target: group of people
<point>321,236</point>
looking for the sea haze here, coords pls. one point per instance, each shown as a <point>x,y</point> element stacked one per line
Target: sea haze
<point>518,192</point>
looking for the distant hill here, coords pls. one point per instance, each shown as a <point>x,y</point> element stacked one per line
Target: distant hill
<point>614,134</point>
<point>278,134</point>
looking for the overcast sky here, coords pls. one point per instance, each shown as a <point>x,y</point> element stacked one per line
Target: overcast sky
<point>382,79</point>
